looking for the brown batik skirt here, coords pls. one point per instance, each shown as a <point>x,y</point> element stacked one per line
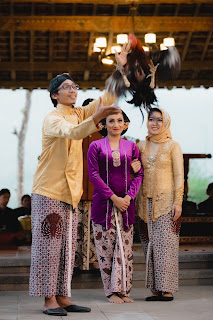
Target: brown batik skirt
<point>115,257</point>
<point>160,241</point>
<point>85,254</point>
<point>54,232</point>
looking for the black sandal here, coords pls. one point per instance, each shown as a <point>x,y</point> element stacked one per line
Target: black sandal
<point>55,312</point>
<point>154,298</point>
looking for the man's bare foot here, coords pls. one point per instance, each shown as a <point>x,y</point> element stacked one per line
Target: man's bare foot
<point>115,299</point>
<point>63,301</point>
<point>127,299</point>
<point>51,303</point>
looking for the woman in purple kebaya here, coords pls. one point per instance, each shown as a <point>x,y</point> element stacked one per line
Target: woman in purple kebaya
<point>113,210</point>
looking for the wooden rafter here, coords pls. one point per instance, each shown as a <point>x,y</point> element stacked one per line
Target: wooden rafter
<point>90,48</point>
<point>156,9</point>
<point>118,2</point>
<point>189,36</point>
<point>110,36</point>
<point>31,49</point>
<point>206,45</point>
<point>175,14</point>
<point>51,47</point>
<point>36,47</point>
<point>88,65</point>
<point>106,23</point>
<point>13,72</point>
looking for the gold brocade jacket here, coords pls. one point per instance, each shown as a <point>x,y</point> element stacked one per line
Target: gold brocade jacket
<point>163,179</point>
<point>59,173</point>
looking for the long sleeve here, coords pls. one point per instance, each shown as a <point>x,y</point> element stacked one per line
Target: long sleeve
<point>94,175</point>
<point>138,177</point>
<point>55,125</point>
<point>107,100</point>
<point>178,173</point>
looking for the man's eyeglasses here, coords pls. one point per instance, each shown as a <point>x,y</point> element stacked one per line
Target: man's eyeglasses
<point>69,87</point>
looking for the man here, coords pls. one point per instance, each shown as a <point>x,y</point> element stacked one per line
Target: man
<point>206,206</point>
<point>8,222</point>
<point>25,209</point>
<point>57,189</point>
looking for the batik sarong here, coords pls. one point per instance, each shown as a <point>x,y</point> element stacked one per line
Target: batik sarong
<point>85,252</point>
<point>115,257</point>
<point>160,241</point>
<point>54,231</point>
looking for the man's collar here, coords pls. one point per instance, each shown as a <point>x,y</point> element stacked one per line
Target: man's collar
<point>65,108</point>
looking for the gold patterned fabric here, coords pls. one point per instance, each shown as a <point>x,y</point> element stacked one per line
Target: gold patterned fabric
<point>163,175</point>
<point>59,173</point>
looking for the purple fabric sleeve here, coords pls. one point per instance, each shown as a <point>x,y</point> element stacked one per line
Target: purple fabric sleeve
<point>94,175</point>
<point>138,177</point>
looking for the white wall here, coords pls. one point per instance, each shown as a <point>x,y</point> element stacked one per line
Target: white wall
<point>191,112</point>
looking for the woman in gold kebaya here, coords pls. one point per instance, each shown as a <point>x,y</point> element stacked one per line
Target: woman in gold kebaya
<point>159,205</point>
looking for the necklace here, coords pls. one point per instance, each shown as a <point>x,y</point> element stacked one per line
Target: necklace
<point>150,161</point>
<point>116,158</point>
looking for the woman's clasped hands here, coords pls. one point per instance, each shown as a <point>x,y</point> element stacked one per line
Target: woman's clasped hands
<point>121,203</point>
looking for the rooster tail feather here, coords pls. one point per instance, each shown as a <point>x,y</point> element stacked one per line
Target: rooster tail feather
<point>115,84</point>
<point>169,63</point>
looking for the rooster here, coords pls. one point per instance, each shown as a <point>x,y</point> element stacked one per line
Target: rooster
<point>141,71</point>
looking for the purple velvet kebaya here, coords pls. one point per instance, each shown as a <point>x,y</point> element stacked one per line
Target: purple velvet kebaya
<point>109,179</point>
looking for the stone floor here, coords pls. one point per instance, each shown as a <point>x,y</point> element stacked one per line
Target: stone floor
<point>190,303</point>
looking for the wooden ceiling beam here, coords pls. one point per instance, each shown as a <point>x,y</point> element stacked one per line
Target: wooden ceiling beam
<point>50,47</point>
<point>11,46</point>
<point>101,84</point>
<point>175,14</point>
<point>70,46</point>
<point>118,2</point>
<point>189,36</point>
<point>31,46</point>
<point>110,36</point>
<point>185,49</point>
<point>87,65</point>
<point>106,23</point>
<point>71,36</point>
<point>206,45</point>
<point>90,47</point>
<point>12,54</point>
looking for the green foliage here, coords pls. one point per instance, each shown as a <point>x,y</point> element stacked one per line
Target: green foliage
<point>197,189</point>
<point>200,175</point>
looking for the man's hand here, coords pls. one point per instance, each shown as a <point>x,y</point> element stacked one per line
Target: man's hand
<point>104,111</point>
<point>121,203</point>
<point>136,165</point>
<point>176,211</point>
